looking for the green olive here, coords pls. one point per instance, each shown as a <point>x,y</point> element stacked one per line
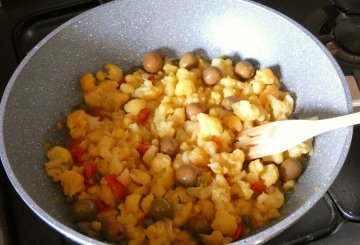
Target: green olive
<point>160,208</point>
<point>229,101</point>
<point>193,109</point>
<point>114,232</point>
<point>244,69</point>
<point>152,62</point>
<point>84,210</point>
<point>211,75</point>
<point>186,175</point>
<point>198,225</point>
<point>188,61</point>
<point>290,169</point>
<point>169,146</point>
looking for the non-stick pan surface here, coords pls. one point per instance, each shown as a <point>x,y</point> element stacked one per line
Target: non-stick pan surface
<point>45,86</point>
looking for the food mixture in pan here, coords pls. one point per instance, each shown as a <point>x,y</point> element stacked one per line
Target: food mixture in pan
<point>154,159</point>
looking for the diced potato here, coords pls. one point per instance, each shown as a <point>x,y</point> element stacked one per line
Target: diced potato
<point>140,176</point>
<point>132,203</point>
<point>146,203</point>
<point>224,222</point>
<point>182,213</point>
<point>233,122</point>
<point>134,106</point>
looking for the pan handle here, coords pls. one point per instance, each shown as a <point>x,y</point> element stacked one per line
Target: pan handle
<point>354,91</point>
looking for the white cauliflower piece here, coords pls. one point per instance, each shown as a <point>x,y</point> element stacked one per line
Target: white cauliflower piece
<point>266,76</point>
<point>281,109</point>
<point>186,82</point>
<point>246,111</point>
<point>209,126</point>
<point>60,160</point>
<point>303,148</point>
<point>270,175</point>
<point>225,66</point>
<point>148,91</point>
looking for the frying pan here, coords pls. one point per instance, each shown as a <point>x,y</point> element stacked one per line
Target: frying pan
<point>45,87</point>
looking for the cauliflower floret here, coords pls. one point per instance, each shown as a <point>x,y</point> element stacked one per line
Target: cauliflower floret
<point>266,76</point>
<point>281,109</point>
<point>114,72</point>
<point>186,82</point>
<point>169,68</point>
<point>277,158</point>
<point>274,199</point>
<point>215,98</point>
<point>209,126</point>
<point>225,66</point>
<point>135,79</point>
<point>88,82</point>
<point>255,169</point>
<point>148,91</point>
<point>246,111</point>
<point>227,163</point>
<point>169,83</point>
<point>215,238</point>
<point>77,123</point>
<point>303,148</point>
<point>134,106</point>
<point>241,188</point>
<point>270,175</point>
<point>160,233</point>
<point>233,122</point>
<point>72,182</point>
<point>60,160</point>
<point>106,96</point>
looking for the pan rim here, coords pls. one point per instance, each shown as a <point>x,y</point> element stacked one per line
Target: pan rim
<point>259,237</point>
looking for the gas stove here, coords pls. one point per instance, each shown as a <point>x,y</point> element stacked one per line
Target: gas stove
<point>336,23</point>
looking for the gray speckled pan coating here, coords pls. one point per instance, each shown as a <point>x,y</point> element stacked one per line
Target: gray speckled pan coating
<point>45,86</point>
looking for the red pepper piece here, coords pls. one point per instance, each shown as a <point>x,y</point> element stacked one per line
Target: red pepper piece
<point>89,173</point>
<point>101,114</point>
<point>238,233</point>
<point>122,80</point>
<point>101,206</point>
<point>143,115</point>
<point>118,189</point>
<point>258,187</point>
<point>143,147</point>
<point>77,153</point>
<point>153,80</point>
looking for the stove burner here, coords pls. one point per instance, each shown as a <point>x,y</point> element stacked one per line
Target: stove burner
<point>338,28</point>
<point>347,32</point>
<point>342,54</point>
